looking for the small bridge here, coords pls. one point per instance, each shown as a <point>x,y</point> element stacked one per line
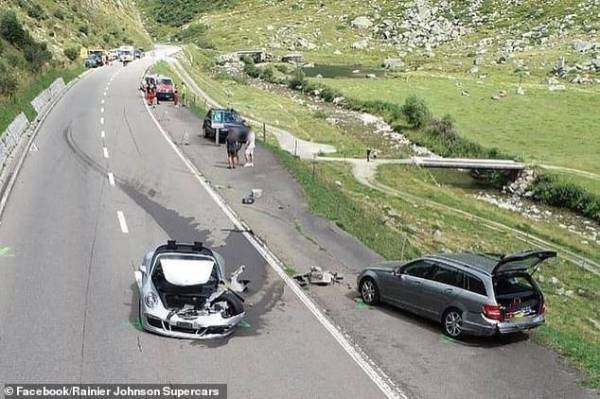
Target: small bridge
<point>466,163</point>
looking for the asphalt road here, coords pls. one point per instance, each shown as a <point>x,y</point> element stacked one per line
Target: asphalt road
<point>68,307</point>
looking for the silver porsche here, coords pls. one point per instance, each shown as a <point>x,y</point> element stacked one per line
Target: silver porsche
<point>183,292</point>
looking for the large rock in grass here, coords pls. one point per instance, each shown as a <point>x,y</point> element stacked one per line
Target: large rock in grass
<point>362,23</point>
<point>393,63</point>
<point>583,46</point>
<point>361,44</point>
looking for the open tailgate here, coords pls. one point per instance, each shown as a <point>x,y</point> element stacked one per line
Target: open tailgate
<point>522,262</point>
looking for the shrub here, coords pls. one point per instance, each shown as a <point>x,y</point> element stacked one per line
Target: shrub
<point>282,68</point>
<point>296,83</point>
<point>267,74</point>
<point>84,29</point>
<point>8,84</point>
<point>58,13</point>
<point>72,53</point>
<point>252,70</point>
<point>246,59</point>
<point>36,11</point>
<point>328,94</point>
<point>551,191</point>
<point>443,128</point>
<point>12,30</point>
<point>37,55</point>
<point>416,112</point>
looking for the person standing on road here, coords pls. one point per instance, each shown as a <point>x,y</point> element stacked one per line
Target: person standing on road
<point>176,97</point>
<point>183,94</point>
<point>250,145</point>
<point>232,145</point>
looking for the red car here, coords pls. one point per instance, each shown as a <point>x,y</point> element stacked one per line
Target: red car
<point>165,89</point>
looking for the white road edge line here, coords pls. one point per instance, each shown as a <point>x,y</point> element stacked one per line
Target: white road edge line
<point>373,372</point>
<point>122,222</point>
<point>111,179</point>
<point>105,151</point>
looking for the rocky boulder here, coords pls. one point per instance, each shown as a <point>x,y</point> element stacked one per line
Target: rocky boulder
<point>362,23</point>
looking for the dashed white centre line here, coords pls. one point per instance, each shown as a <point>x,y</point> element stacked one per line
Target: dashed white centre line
<point>102,110</point>
<point>102,121</point>
<point>111,178</point>
<point>122,222</point>
<point>102,134</point>
<point>102,102</point>
<point>105,150</point>
<point>104,94</point>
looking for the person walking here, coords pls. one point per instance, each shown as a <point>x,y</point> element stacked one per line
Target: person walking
<point>250,145</point>
<point>232,146</point>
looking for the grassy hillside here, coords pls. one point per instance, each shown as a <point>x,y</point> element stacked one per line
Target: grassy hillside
<point>41,40</point>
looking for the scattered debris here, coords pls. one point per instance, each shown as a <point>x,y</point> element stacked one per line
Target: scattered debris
<point>318,277</point>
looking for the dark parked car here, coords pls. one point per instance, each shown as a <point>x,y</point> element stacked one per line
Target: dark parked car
<point>138,53</point>
<point>225,120</point>
<point>165,88</point>
<point>94,61</point>
<point>477,294</point>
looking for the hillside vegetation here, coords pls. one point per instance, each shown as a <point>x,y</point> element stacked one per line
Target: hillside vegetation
<point>41,40</point>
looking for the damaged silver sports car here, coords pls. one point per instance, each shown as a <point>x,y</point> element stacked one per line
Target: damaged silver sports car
<point>183,292</point>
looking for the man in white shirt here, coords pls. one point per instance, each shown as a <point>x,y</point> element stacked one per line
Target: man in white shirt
<point>250,145</point>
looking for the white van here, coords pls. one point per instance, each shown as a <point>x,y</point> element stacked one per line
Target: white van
<point>126,54</point>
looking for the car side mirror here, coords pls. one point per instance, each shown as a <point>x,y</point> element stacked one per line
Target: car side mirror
<point>143,268</point>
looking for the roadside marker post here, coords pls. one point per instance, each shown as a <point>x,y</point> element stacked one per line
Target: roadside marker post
<point>264,132</point>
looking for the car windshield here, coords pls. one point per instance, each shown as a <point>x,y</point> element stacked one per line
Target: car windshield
<point>231,117</point>
<point>166,81</point>
<point>182,269</point>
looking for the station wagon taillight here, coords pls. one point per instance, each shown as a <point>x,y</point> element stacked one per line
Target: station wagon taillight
<point>493,312</point>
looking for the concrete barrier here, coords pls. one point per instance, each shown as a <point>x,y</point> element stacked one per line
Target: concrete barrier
<point>11,137</point>
<point>45,98</point>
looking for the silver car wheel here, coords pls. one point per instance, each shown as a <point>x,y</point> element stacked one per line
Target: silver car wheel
<point>368,291</point>
<point>453,323</point>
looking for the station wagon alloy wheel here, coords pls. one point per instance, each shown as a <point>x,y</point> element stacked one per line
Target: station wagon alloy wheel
<point>369,292</point>
<point>453,323</point>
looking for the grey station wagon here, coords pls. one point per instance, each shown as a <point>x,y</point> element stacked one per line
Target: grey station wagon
<point>468,293</point>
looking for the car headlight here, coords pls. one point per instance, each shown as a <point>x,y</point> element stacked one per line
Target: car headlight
<point>150,299</point>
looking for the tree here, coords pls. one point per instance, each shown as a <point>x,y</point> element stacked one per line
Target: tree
<point>416,112</point>
<point>72,53</point>
<point>12,30</point>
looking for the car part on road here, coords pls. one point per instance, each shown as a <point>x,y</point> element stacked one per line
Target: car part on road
<point>255,194</point>
<point>318,277</point>
<point>183,292</point>
<point>477,294</point>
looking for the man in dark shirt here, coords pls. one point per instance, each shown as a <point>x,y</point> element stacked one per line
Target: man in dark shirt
<point>232,145</point>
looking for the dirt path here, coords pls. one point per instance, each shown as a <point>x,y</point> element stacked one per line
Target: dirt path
<point>365,172</point>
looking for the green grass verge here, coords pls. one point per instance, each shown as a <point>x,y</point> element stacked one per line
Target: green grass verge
<point>397,228</point>
<point>21,101</point>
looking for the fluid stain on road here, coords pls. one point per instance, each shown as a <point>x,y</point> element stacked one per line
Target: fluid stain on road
<point>177,227</point>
